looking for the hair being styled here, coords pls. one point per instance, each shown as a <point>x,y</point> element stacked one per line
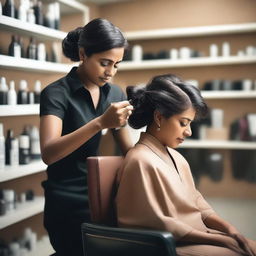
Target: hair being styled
<point>96,36</point>
<point>166,93</point>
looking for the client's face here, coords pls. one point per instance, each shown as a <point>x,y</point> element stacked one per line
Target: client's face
<point>176,128</point>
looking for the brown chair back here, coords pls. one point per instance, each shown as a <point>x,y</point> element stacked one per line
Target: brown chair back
<point>101,187</point>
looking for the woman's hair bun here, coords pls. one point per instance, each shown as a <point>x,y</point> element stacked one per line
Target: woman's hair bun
<point>70,44</point>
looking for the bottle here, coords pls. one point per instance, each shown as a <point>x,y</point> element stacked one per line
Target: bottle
<point>38,13</point>
<point>14,48</point>
<point>2,148</point>
<point>11,149</point>
<point>3,91</point>
<point>11,94</point>
<point>9,9</point>
<point>35,143</point>
<point>41,52</point>
<point>23,93</point>
<point>37,91</point>
<point>24,148</point>
<point>225,49</point>
<point>1,9</point>
<point>22,11</point>
<point>56,15</point>
<point>50,16</point>
<point>31,98</point>
<point>31,50</point>
<point>31,18</point>
<point>22,50</point>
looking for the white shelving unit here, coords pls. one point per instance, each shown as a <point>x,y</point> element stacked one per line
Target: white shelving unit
<point>218,144</point>
<point>192,62</point>
<point>191,31</point>
<point>9,62</point>
<point>19,110</point>
<point>28,29</point>
<point>14,172</point>
<point>22,212</point>
<point>228,94</point>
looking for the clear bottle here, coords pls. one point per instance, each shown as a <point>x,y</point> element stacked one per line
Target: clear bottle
<point>2,148</point>
<point>23,92</point>
<point>11,94</point>
<point>22,11</point>
<point>9,8</point>
<point>3,91</point>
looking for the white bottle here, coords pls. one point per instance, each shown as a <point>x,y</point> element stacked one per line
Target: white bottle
<point>41,52</point>
<point>35,143</point>
<point>11,94</point>
<point>225,49</point>
<point>2,148</point>
<point>14,154</point>
<point>1,9</point>
<point>137,53</point>
<point>22,12</point>
<point>3,91</point>
<point>213,50</point>
<point>31,18</point>
<point>37,91</point>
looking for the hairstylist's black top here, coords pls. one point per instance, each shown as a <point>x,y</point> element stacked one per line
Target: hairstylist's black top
<point>68,99</point>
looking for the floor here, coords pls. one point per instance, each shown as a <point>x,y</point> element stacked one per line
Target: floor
<point>240,212</point>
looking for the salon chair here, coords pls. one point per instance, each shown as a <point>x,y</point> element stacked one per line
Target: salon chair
<point>102,237</point>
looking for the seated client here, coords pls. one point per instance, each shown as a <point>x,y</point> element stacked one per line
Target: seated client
<point>155,185</point>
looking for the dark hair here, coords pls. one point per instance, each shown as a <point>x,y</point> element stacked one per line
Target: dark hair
<point>166,93</point>
<point>96,36</point>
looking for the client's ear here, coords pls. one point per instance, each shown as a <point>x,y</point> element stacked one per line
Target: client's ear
<point>157,118</point>
<point>82,55</point>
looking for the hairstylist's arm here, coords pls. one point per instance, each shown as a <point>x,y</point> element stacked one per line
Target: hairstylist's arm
<point>122,137</point>
<point>55,147</point>
<point>215,222</point>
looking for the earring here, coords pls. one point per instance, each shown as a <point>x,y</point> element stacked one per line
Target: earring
<point>158,127</point>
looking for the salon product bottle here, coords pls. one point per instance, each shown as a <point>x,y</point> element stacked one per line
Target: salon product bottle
<point>50,16</point>
<point>32,49</point>
<point>14,248</point>
<point>22,49</point>
<point>37,91</point>
<point>35,143</point>
<point>56,15</point>
<point>3,91</point>
<point>11,149</point>
<point>11,94</point>
<point>23,93</point>
<point>2,148</point>
<point>22,11</point>
<point>137,53</point>
<point>1,9</point>
<point>9,198</point>
<point>31,98</point>
<point>24,148</point>
<point>9,9</point>
<point>38,12</point>
<point>31,18</point>
<point>225,49</point>
<point>41,52</point>
<point>14,48</point>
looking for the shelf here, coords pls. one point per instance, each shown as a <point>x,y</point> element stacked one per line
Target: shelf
<point>28,29</point>
<point>192,62</point>
<point>218,144</point>
<point>228,94</point>
<point>9,62</point>
<point>19,110</point>
<point>14,172</point>
<point>43,248</point>
<point>22,212</point>
<point>191,31</point>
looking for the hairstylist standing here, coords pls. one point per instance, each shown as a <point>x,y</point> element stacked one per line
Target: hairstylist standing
<point>73,111</point>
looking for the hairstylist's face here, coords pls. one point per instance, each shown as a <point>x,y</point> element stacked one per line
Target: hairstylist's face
<point>99,68</point>
<point>175,129</point>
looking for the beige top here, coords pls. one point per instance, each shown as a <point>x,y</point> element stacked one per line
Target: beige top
<point>153,194</point>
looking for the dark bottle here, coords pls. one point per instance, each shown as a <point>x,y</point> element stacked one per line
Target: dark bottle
<point>37,91</point>
<point>22,97</point>
<point>22,49</point>
<point>9,9</point>
<point>14,47</point>
<point>32,49</point>
<point>38,13</point>
<point>11,149</point>
<point>24,147</point>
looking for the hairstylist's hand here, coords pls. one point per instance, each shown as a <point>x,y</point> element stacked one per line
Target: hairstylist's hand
<point>116,115</point>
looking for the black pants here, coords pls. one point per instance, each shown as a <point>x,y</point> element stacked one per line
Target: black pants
<point>66,236</point>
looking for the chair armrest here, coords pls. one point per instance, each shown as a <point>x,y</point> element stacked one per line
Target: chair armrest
<point>112,241</point>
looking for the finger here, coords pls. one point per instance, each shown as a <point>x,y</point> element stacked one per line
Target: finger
<point>121,104</point>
